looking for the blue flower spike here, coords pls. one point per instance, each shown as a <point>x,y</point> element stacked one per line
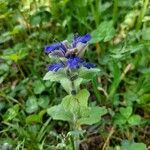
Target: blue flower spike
<point>71,53</point>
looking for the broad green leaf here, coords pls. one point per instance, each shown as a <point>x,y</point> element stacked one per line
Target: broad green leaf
<point>43,101</point>
<point>59,113</point>
<point>35,19</point>
<point>82,97</point>
<point>129,145</point>
<point>130,97</point>
<point>38,87</point>
<point>77,83</point>
<point>134,120</point>
<point>138,146</point>
<point>146,33</point>
<point>41,113</point>
<point>54,76</point>
<point>66,84</point>
<point>126,112</point>
<point>70,104</point>
<point>145,99</point>
<point>119,119</point>
<point>17,29</point>
<point>11,113</point>
<point>88,74</point>
<point>3,67</point>
<point>33,119</point>
<point>94,116</point>
<point>104,32</point>
<point>75,103</point>
<point>31,104</point>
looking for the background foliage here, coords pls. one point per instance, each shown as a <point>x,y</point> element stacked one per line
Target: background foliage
<point>120,47</point>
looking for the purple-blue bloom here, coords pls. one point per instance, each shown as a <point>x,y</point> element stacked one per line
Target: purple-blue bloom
<point>74,62</point>
<point>70,53</point>
<point>82,39</point>
<point>88,65</point>
<point>53,47</point>
<point>55,67</point>
<point>64,47</point>
<point>71,63</point>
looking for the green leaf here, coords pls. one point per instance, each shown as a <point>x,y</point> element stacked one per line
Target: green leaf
<point>11,113</point>
<point>38,87</point>
<point>94,116</point>
<point>43,101</point>
<point>59,113</point>
<point>146,33</point>
<point>70,104</point>
<point>134,120</point>
<point>54,76</point>
<point>82,97</point>
<point>104,32</point>
<point>115,70</point>
<point>2,105</point>
<point>66,84</point>
<point>88,74</point>
<point>129,145</point>
<point>119,119</point>
<point>33,119</point>
<point>75,103</point>
<point>126,112</point>
<point>31,105</point>
<point>145,99</point>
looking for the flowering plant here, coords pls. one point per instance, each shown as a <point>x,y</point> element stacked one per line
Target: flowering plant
<point>70,69</point>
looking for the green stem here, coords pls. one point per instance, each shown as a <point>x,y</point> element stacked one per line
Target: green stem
<point>76,138</point>
<point>71,77</point>
<point>96,92</point>
<point>142,14</point>
<point>96,11</point>
<point>74,126</point>
<point>115,10</point>
<point>18,65</point>
<point>76,143</point>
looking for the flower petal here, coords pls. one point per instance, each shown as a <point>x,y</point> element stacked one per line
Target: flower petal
<point>74,62</point>
<point>55,67</point>
<point>55,46</point>
<point>83,39</point>
<point>88,65</point>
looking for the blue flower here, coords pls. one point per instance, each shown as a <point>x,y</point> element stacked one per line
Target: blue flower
<point>55,67</point>
<point>81,39</point>
<point>70,53</point>
<point>65,47</point>
<point>74,62</point>
<point>53,47</point>
<point>88,65</point>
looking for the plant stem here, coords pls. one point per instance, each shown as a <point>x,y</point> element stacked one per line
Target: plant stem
<point>126,70</point>
<point>96,11</point>
<point>74,126</point>
<point>19,68</point>
<point>71,78</point>
<point>142,14</point>
<point>76,143</point>
<point>115,10</point>
<point>108,138</point>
